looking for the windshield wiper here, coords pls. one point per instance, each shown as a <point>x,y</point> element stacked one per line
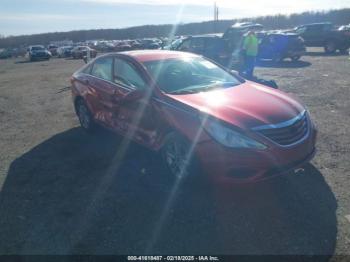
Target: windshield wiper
<point>192,90</point>
<point>183,91</point>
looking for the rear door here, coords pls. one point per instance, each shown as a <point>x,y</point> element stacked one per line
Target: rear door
<point>102,90</point>
<point>313,35</point>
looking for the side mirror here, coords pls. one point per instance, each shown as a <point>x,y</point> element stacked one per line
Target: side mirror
<point>269,83</point>
<point>237,75</point>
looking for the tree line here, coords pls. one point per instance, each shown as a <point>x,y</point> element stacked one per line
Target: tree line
<point>338,17</point>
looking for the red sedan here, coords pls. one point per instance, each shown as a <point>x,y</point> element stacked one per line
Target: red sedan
<point>198,114</point>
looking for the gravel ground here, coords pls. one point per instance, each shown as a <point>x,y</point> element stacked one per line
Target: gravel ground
<point>64,191</point>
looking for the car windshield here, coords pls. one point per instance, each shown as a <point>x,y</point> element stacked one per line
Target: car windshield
<point>300,30</point>
<point>189,75</point>
<point>176,43</point>
<point>36,48</point>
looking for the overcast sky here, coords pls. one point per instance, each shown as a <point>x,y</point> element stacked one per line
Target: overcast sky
<point>37,16</point>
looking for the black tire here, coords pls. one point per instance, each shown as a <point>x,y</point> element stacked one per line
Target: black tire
<point>178,159</point>
<point>343,51</point>
<point>330,47</point>
<point>277,58</point>
<point>84,115</point>
<point>295,58</point>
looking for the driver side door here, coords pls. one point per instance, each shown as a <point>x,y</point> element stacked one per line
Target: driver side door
<point>135,116</point>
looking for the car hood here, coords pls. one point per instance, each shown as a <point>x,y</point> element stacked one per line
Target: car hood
<point>246,106</point>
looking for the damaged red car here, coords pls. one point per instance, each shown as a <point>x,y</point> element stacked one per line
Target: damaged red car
<point>197,114</point>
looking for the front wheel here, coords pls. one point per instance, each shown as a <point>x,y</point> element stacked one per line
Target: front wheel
<point>178,157</point>
<point>85,117</point>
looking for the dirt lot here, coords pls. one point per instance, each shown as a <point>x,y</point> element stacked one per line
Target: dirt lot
<point>60,194</point>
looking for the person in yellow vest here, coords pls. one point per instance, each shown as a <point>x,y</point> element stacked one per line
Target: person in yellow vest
<point>250,52</point>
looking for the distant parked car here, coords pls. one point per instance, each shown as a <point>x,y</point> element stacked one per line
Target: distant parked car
<point>278,46</point>
<point>210,46</point>
<point>345,28</point>
<point>234,34</point>
<point>122,46</point>
<point>150,44</point>
<point>79,52</point>
<point>5,53</point>
<point>174,44</point>
<point>134,45</point>
<point>38,52</point>
<point>324,35</point>
<point>53,49</point>
<point>64,51</point>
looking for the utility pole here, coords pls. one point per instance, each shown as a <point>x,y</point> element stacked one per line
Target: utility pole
<point>216,15</point>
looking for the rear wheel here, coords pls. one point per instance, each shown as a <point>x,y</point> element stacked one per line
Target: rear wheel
<point>329,47</point>
<point>277,58</point>
<point>84,115</point>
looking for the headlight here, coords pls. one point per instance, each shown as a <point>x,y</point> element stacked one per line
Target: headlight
<point>229,137</point>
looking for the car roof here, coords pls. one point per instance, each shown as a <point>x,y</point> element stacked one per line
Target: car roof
<point>205,36</point>
<point>325,23</point>
<point>282,34</point>
<point>245,25</point>
<point>154,55</point>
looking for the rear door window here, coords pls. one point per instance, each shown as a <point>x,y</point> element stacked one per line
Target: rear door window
<point>102,68</point>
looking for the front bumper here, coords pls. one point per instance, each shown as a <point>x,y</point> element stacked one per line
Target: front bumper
<point>226,165</point>
<point>40,56</point>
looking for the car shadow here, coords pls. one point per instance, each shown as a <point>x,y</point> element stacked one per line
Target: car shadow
<point>77,193</point>
<point>27,61</point>
<point>283,64</point>
<point>24,62</point>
